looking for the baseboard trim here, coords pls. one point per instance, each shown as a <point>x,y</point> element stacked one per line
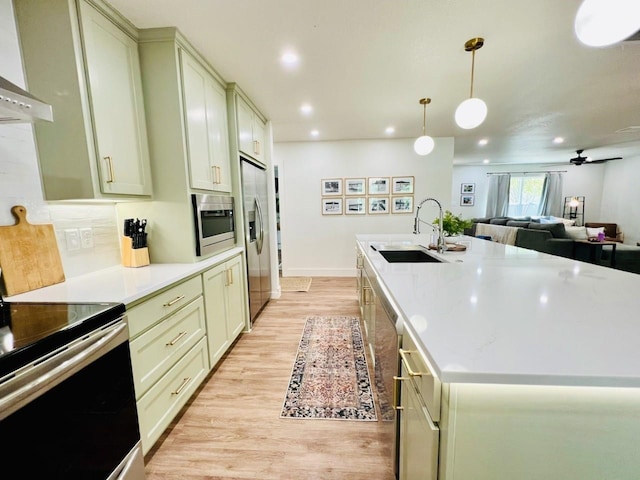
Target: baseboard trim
<point>319,272</point>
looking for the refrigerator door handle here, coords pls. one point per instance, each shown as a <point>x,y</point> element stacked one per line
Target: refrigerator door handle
<point>260,236</point>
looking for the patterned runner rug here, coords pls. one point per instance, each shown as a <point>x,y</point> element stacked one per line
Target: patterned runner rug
<point>330,377</point>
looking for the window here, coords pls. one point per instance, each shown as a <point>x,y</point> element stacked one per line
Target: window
<point>525,194</point>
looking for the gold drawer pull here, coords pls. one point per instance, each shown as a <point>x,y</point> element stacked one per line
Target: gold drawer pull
<point>367,295</point>
<point>174,301</point>
<point>176,340</point>
<point>112,177</point>
<point>396,393</point>
<point>185,382</point>
<point>403,355</point>
<point>229,276</point>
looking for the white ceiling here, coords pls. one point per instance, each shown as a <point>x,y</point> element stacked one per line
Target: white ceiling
<point>366,63</point>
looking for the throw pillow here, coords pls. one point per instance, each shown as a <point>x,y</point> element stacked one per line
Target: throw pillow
<point>593,232</point>
<point>517,223</point>
<point>498,221</point>
<point>577,233</point>
<point>557,230</point>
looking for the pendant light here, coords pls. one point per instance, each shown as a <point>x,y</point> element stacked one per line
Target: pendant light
<point>600,23</point>
<point>424,144</point>
<point>472,111</point>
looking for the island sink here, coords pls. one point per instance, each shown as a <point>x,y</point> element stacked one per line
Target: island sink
<point>408,256</point>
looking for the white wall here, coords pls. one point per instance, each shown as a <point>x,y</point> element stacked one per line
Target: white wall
<point>20,178</point>
<point>323,245</point>
<point>620,197</point>
<point>584,181</point>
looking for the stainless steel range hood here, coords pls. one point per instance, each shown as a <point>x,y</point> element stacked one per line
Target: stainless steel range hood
<point>18,106</point>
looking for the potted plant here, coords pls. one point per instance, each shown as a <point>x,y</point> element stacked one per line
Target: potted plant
<point>452,225</point>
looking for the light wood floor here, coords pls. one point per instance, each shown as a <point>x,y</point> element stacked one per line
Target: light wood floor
<point>231,428</point>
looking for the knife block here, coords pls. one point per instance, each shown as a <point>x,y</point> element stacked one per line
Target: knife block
<point>133,257</point>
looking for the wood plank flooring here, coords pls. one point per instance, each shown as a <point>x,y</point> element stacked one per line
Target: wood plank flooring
<point>231,428</point>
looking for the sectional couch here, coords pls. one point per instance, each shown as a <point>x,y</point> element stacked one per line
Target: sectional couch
<point>553,238</point>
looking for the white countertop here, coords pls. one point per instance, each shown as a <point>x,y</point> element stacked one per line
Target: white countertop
<point>502,314</point>
<point>121,284</point>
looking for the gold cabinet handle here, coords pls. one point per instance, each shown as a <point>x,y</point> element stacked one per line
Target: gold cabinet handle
<point>112,177</point>
<point>219,172</point>
<point>229,277</point>
<point>174,301</point>
<point>403,355</point>
<point>217,175</point>
<point>396,393</point>
<point>256,147</point>
<point>185,382</point>
<point>359,262</point>
<point>176,340</point>
<point>367,295</point>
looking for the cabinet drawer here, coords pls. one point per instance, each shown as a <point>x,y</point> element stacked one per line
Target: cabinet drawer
<point>427,384</point>
<point>159,306</point>
<point>156,350</point>
<point>158,407</point>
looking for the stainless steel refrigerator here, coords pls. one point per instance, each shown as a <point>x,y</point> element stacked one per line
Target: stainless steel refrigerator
<point>256,222</point>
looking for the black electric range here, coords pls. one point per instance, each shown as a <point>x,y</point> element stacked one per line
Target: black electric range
<point>30,331</point>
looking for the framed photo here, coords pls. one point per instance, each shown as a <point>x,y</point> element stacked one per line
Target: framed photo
<point>332,206</point>
<point>468,188</point>
<point>402,204</point>
<point>354,186</point>
<point>402,185</point>
<point>467,200</point>
<point>331,186</point>
<point>355,205</point>
<point>378,205</point>
<point>378,186</point>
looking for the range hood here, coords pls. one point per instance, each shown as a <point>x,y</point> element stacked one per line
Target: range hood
<point>18,106</point>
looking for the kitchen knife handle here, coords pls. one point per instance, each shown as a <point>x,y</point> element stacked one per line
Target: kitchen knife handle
<point>112,177</point>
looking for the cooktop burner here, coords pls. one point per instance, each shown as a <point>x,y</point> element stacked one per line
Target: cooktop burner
<point>31,330</point>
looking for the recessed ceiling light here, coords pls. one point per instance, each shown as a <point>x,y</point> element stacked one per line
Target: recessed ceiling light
<point>486,160</point>
<point>558,140</point>
<point>315,133</point>
<point>306,109</point>
<point>289,59</point>
<point>482,142</point>
<point>389,130</point>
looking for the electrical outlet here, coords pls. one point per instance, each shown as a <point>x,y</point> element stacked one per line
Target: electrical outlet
<point>72,236</point>
<point>86,237</point>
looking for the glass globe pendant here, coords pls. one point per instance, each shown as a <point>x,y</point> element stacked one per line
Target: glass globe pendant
<point>600,23</point>
<point>424,144</point>
<point>473,111</point>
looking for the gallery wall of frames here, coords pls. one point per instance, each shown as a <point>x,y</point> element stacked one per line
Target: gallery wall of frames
<point>367,196</point>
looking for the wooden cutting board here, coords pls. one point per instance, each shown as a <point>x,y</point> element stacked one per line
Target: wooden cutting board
<point>29,255</point>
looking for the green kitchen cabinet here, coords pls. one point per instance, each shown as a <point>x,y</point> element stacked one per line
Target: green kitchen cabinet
<point>251,132</point>
<point>85,64</point>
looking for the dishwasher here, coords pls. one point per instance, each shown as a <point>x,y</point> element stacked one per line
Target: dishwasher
<point>387,341</point>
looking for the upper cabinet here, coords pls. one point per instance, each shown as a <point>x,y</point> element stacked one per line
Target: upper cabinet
<point>205,108</point>
<point>85,64</point>
<point>187,111</point>
<point>251,131</point>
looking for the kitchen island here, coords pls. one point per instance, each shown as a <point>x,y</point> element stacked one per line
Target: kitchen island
<point>537,357</point>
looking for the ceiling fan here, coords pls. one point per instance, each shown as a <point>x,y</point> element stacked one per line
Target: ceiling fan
<point>579,160</point>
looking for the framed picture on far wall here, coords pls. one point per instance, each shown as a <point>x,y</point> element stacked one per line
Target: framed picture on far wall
<point>378,186</point>
<point>354,186</point>
<point>332,206</point>
<point>402,185</point>
<point>355,206</point>
<point>331,186</point>
<point>468,188</point>
<point>402,204</point>
<point>467,200</point>
<point>378,205</point>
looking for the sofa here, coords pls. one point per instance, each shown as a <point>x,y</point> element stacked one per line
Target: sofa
<point>559,239</point>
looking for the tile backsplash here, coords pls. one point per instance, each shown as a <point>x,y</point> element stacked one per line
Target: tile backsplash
<point>20,179</point>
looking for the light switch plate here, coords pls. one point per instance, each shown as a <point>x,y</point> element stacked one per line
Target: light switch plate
<point>72,237</point>
<point>86,237</point>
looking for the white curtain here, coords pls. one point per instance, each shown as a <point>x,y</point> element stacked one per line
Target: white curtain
<point>551,200</point>
<point>498,196</point>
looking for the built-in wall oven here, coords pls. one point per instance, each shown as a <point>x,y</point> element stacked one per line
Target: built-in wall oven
<point>214,222</point>
<point>67,401</point>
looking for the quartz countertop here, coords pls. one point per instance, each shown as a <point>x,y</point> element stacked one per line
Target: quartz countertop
<point>121,284</point>
<point>501,314</point>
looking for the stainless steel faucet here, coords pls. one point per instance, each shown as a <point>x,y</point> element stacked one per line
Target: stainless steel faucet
<point>441,245</point>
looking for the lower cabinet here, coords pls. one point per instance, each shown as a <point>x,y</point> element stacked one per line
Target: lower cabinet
<point>224,288</point>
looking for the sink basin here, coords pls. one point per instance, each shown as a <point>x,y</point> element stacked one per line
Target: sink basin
<point>408,256</point>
